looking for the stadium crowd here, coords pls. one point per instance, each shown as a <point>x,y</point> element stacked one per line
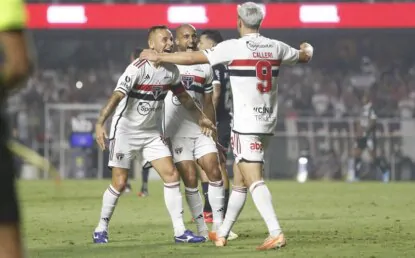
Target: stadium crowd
<point>345,67</point>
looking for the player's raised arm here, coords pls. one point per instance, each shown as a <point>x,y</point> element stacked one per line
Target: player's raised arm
<point>290,55</point>
<point>125,84</point>
<point>216,55</point>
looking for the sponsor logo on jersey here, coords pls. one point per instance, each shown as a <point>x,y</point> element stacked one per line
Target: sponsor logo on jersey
<point>255,146</point>
<point>147,77</point>
<point>254,46</point>
<point>127,79</point>
<point>263,110</point>
<point>144,108</point>
<point>188,80</point>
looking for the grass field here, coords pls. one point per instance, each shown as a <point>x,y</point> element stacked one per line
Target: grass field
<point>320,219</point>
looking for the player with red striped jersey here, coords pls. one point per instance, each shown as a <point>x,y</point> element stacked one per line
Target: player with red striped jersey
<point>253,62</point>
<point>135,130</point>
<point>189,144</point>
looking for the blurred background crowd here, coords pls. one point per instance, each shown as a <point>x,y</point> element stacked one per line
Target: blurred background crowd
<point>83,67</point>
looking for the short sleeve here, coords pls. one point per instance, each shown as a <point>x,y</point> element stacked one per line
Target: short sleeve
<point>221,53</point>
<point>208,80</point>
<point>128,79</point>
<point>218,74</point>
<point>287,54</point>
<point>12,15</point>
<point>176,86</point>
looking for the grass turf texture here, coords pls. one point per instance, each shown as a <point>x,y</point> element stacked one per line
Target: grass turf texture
<point>320,219</point>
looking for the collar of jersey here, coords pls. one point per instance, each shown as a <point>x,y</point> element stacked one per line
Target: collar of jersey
<point>251,34</point>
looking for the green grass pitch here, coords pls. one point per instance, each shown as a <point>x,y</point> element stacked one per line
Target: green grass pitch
<point>320,219</point>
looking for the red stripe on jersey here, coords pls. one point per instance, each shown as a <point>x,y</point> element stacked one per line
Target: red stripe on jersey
<point>139,63</point>
<point>149,87</point>
<point>253,62</point>
<point>199,79</point>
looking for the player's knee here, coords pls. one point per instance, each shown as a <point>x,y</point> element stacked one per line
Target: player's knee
<point>119,178</point>
<point>215,173</point>
<point>171,175</point>
<point>190,180</point>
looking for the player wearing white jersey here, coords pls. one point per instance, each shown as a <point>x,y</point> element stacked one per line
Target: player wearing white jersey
<point>138,100</point>
<point>253,62</point>
<point>188,141</point>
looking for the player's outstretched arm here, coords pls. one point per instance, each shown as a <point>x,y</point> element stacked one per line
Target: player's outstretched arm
<point>181,58</point>
<point>108,109</point>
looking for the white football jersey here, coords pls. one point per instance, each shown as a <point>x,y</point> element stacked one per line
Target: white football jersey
<point>253,62</point>
<point>145,87</point>
<point>197,80</point>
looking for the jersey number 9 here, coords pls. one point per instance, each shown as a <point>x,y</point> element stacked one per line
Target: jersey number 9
<point>264,76</point>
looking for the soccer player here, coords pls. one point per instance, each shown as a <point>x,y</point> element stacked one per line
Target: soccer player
<point>138,101</point>
<point>146,168</point>
<point>366,131</point>
<point>222,100</point>
<point>13,70</point>
<point>188,143</point>
<point>253,62</point>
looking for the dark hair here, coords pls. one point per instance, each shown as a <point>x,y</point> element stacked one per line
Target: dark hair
<point>137,52</point>
<point>155,28</point>
<point>213,35</point>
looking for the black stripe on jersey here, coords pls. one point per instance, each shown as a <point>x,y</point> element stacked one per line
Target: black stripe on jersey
<point>118,120</point>
<point>197,89</point>
<point>249,73</point>
<point>251,133</point>
<point>148,96</point>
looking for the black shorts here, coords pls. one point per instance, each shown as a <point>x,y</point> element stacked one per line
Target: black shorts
<point>9,212</point>
<point>366,143</point>
<point>224,134</point>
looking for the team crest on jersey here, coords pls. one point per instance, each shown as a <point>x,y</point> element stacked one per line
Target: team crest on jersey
<point>119,156</point>
<point>157,90</point>
<point>178,150</point>
<point>187,81</point>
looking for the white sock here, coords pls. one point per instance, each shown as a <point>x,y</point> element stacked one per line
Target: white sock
<point>236,203</point>
<point>194,200</point>
<point>174,204</point>
<point>216,195</point>
<point>109,200</point>
<point>263,202</point>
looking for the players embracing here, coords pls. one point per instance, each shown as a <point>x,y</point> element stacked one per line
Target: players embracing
<point>135,130</point>
<point>253,62</point>
<point>188,143</point>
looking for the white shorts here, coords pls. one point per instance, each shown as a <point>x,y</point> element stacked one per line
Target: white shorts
<point>123,148</point>
<point>192,148</point>
<point>249,147</point>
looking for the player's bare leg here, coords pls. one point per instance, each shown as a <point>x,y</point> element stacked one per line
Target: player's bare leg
<point>187,169</point>
<point>207,209</point>
<point>210,164</point>
<point>109,201</point>
<point>252,175</point>
<point>237,201</point>
<point>173,199</point>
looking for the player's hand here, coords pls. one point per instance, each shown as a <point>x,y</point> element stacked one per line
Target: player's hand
<point>207,127</point>
<point>149,55</point>
<point>101,135</point>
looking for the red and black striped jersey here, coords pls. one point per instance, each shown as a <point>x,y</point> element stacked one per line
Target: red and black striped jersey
<point>145,87</point>
<point>253,63</point>
<point>197,80</point>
